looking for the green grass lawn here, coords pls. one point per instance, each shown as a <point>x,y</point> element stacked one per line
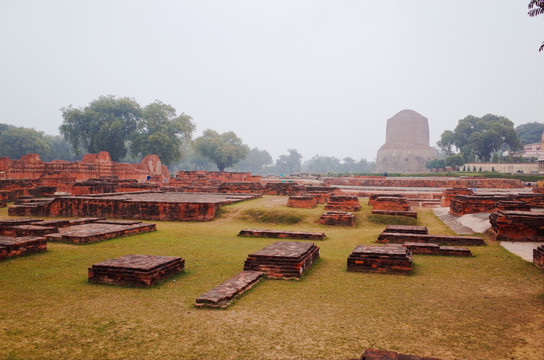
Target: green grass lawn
<point>490,306</point>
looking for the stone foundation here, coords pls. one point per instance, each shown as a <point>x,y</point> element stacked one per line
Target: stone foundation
<point>538,257</point>
<point>517,226</point>
<point>223,295</point>
<point>302,201</point>
<point>283,260</point>
<point>390,259</point>
<point>279,234</point>
<point>400,238</point>
<point>135,270</point>
<point>19,246</point>
<point>343,203</point>
<point>340,218</point>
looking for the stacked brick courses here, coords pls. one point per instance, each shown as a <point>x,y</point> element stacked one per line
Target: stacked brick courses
<point>391,203</point>
<point>400,238</point>
<point>223,295</point>
<point>135,270</point>
<point>435,249</point>
<point>450,193</point>
<point>302,201</point>
<point>320,197</point>
<point>469,204</point>
<point>374,354</point>
<point>343,203</point>
<point>428,182</point>
<point>407,229</point>
<point>283,260</point>
<point>241,187</point>
<point>285,189</point>
<point>538,257</point>
<point>533,200</point>
<point>340,218</point>
<point>517,225</point>
<point>18,246</point>
<point>372,198</point>
<point>98,231</point>
<point>111,185</point>
<point>512,206</point>
<point>279,234</point>
<point>391,259</point>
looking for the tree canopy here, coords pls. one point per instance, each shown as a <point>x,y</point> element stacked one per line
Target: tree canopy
<point>530,133</point>
<point>161,132</point>
<point>256,161</point>
<point>480,137</point>
<point>224,149</point>
<point>536,7</point>
<point>290,163</point>
<point>18,141</point>
<point>105,125</point>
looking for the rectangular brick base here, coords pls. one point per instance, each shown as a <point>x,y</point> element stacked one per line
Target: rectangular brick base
<point>400,238</point>
<point>98,231</point>
<point>222,295</point>
<point>135,270</point>
<point>18,246</point>
<point>392,259</point>
<point>280,234</point>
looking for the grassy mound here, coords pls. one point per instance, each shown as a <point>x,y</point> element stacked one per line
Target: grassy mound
<point>391,220</point>
<point>271,216</point>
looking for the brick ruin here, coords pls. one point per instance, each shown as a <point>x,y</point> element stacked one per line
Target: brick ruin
<point>338,218</point>
<point>283,259</point>
<point>375,354</point>
<point>142,206</point>
<point>392,205</point>
<point>469,204</point>
<point>388,259</point>
<point>512,206</point>
<point>448,194</point>
<point>426,182</point>
<point>538,257</point>
<point>435,249</point>
<point>282,234</point>
<point>302,201</point>
<point>135,270</point>
<point>19,246</point>
<point>401,234</point>
<point>343,203</point>
<point>517,225</point>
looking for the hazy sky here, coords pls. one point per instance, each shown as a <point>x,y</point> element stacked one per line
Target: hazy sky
<point>322,77</point>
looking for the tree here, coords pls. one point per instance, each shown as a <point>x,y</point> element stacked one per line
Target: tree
<point>536,7</point>
<point>161,132</point>
<point>256,161</point>
<point>105,125</point>
<point>436,164</point>
<point>18,141</point>
<point>224,149</point>
<point>289,164</point>
<point>530,133</point>
<point>480,137</point>
<point>322,164</point>
<point>59,148</point>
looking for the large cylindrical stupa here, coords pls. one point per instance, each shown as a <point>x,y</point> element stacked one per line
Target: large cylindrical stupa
<point>406,148</point>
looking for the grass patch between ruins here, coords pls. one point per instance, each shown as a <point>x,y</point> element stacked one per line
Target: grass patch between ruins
<point>489,306</point>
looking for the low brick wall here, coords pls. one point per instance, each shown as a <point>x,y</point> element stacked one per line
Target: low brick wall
<point>241,187</point>
<point>285,189</point>
<point>279,234</point>
<point>387,259</point>
<point>339,218</point>
<point>411,214</point>
<point>533,200</point>
<point>135,270</point>
<point>406,229</point>
<point>427,182</point>
<point>343,203</point>
<point>469,204</point>
<point>302,201</point>
<point>372,197</point>
<point>538,257</point>
<point>400,238</point>
<point>448,194</point>
<point>19,246</point>
<point>375,354</point>
<point>391,203</point>
<point>517,226</point>
<point>512,206</point>
<point>435,249</point>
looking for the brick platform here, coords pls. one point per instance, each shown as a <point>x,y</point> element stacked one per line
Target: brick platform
<point>470,204</point>
<point>302,201</point>
<point>98,231</point>
<point>241,187</point>
<point>281,188</point>
<point>426,182</point>
<point>534,200</point>
<point>18,246</point>
<point>538,257</point>
<point>512,206</point>
<point>135,270</point>
<point>143,206</point>
<point>391,259</point>
<point>391,203</point>
<point>320,197</point>
<point>435,249</point>
<point>400,238</point>
<point>372,197</point>
<point>222,295</point>
<point>373,354</point>
<point>281,234</point>
<point>340,218</point>
<point>517,225</point>
<point>27,230</point>
<point>448,194</point>
<point>283,260</point>
<point>406,229</point>
<point>412,214</point>
<point>343,203</point>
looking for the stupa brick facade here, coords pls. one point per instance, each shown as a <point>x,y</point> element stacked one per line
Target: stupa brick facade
<point>406,147</point>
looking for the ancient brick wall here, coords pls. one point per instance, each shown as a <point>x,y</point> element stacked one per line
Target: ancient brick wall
<point>538,257</point>
<point>470,204</point>
<point>285,189</point>
<point>450,193</point>
<point>517,226</point>
<point>241,187</point>
<point>391,203</point>
<point>343,203</point>
<point>305,202</point>
<point>339,218</point>
<point>430,182</point>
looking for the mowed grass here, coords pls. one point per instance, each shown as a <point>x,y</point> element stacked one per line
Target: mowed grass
<point>490,306</point>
